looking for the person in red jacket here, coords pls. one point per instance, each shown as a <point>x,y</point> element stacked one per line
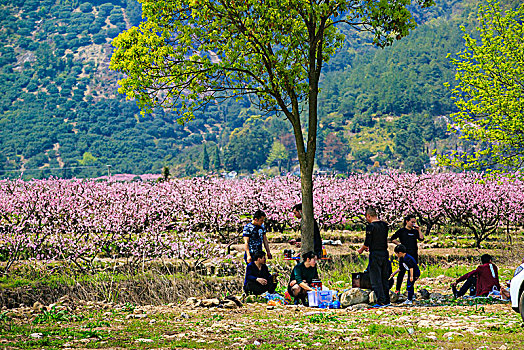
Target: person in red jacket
<point>479,281</point>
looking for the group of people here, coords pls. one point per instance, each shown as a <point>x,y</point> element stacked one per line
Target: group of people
<point>379,266</point>
<point>479,282</point>
<point>258,279</point>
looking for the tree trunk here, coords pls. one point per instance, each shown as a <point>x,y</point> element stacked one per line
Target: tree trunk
<point>306,151</point>
<point>429,226</point>
<point>308,159</point>
<point>307,223</point>
<point>478,237</point>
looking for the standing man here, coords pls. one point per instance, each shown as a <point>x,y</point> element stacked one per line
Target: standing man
<point>408,236</point>
<point>254,236</point>
<point>258,280</point>
<point>317,240</point>
<point>376,243</point>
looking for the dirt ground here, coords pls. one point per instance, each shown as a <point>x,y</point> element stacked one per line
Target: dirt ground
<point>259,326</point>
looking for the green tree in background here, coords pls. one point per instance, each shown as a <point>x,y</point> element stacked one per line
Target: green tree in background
<point>190,53</point>
<point>362,159</point>
<point>490,93</point>
<point>410,146</point>
<point>165,173</point>
<point>87,159</point>
<point>247,149</point>
<point>217,164</point>
<point>409,142</point>
<point>205,159</point>
<point>417,164</point>
<point>277,155</point>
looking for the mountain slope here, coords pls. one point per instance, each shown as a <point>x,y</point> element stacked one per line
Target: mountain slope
<point>60,113</point>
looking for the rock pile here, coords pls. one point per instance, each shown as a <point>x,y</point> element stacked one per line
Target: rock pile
<point>231,302</point>
<point>363,298</point>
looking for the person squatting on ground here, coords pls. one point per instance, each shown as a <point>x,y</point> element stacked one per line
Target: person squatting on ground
<point>479,281</point>
<point>258,279</point>
<point>317,240</point>
<point>255,236</point>
<point>379,266</point>
<point>408,236</point>
<point>407,264</point>
<point>302,276</point>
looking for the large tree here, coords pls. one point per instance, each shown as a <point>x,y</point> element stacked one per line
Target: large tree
<point>188,53</point>
<point>490,92</point>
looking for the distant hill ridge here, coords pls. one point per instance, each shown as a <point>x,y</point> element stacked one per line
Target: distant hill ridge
<point>60,113</point>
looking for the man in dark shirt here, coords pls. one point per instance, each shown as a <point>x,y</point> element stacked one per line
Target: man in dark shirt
<point>254,234</point>
<point>258,280</point>
<point>317,240</point>
<point>408,236</point>
<point>301,277</point>
<point>376,243</point>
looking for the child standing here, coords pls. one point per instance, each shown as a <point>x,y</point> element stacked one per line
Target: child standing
<point>407,263</point>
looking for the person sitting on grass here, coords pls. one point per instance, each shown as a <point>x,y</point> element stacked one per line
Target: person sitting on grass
<point>479,281</point>
<point>302,276</point>
<point>258,280</point>
<point>407,264</point>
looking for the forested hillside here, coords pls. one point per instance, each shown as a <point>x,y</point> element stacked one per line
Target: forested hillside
<point>61,115</point>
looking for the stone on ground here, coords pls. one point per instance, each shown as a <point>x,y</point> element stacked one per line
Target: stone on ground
<point>210,302</point>
<point>393,297</point>
<point>193,302</point>
<point>229,304</point>
<point>436,296</point>
<point>354,296</point>
<point>372,298</point>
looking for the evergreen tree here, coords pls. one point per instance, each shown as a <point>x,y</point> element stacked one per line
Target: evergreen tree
<point>205,159</point>
<point>165,173</point>
<point>247,149</point>
<point>216,159</point>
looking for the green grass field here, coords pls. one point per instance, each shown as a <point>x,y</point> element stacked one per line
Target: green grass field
<point>110,319</point>
<point>254,326</point>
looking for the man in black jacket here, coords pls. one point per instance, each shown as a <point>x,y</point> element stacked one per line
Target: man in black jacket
<point>258,280</point>
<point>376,243</point>
<point>317,240</point>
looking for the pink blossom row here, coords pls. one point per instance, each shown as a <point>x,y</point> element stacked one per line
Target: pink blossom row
<point>81,219</point>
